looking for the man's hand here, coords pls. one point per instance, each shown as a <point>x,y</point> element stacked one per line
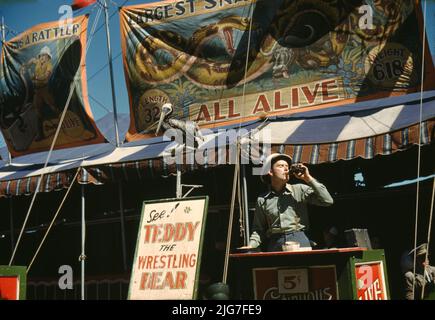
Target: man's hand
<point>245,248</point>
<point>303,174</point>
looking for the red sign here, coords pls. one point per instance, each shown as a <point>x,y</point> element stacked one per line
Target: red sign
<point>303,283</point>
<point>370,281</point>
<point>78,4</point>
<point>9,288</point>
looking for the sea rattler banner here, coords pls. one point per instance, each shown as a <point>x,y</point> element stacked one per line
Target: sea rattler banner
<point>37,70</point>
<point>200,56</point>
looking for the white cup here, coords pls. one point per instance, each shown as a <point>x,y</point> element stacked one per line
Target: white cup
<point>291,246</point>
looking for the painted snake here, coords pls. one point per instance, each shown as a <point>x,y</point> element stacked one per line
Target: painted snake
<point>186,59</point>
<point>164,56</point>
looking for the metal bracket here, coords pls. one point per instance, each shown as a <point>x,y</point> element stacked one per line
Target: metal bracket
<point>191,186</point>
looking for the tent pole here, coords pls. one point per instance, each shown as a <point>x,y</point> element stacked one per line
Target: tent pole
<point>179,190</point>
<point>121,212</point>
<point>112,85</point>
<point>245,203</point>
<point>82,255</point>
<point>11,216</point>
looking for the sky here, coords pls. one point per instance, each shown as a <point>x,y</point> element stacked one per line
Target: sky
<point>20,15</point>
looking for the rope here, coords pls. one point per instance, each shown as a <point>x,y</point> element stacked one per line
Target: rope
<point>100,5</point>
<point>97,18</point>
<point>419,147</point>
<point>429,233</point>
<point>230,223</point>
<point>247,56</point>
<point>53,220</point>
<point>42,174</point>
<point>241,203</point>
<point>236,179</point>
<point>49,155</point>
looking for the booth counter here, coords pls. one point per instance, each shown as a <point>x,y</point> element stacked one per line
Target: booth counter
<point>330,274</point>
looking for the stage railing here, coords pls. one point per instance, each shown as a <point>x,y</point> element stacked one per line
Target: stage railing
<point>102,289</point>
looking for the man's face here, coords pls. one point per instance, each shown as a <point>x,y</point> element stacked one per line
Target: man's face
<point>280,171</point>
<point>421,260</point>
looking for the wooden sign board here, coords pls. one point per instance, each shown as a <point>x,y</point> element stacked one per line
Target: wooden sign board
<point>12,283</point>
<point>168,250</point>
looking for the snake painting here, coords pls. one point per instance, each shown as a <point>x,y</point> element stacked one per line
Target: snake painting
<point>185,56</point>
<point>165,56</point>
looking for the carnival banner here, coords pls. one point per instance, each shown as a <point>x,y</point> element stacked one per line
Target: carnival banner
<point>38,68</point>
<point>303,53</point>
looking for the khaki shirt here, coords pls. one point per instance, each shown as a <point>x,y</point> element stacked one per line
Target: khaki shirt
<point>279,213</point>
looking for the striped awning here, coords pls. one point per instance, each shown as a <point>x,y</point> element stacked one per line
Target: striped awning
<point>156,167</point>
<point>364,129</point>
<point>366,148</point>
<point>27,186</point>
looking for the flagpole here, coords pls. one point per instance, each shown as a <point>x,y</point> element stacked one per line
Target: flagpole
<point>82,257</point>
<point>4,40</point>
<point>109,53</point>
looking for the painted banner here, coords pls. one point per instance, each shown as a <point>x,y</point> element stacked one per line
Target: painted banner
<point>168,250</point>
<point>304,283</point>
<point>302,54</point>
<point>370,281</point>
<point>37,70</point>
